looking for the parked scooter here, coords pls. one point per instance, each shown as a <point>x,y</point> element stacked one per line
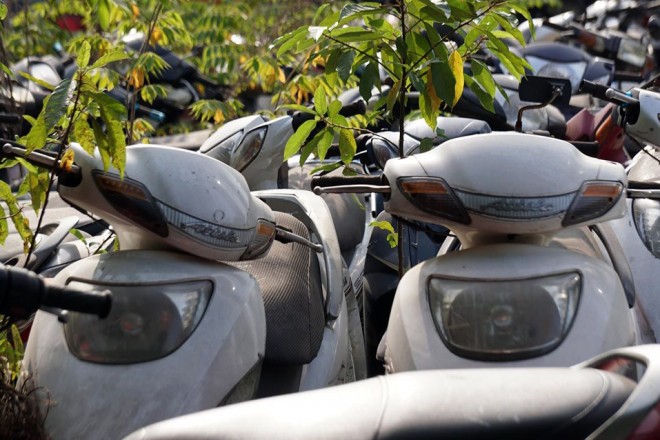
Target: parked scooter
<point>187,332</point>
<point>637,114</point>
<point>538,280</point>
<point>590,400</point>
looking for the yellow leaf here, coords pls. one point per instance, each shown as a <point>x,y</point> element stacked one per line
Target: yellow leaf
<point>136,77</point>
<point>218,117</point>
<point>67,160</point>
<point>156,36</point>
<point>435,101</point>
<point>282,76</point>
<point>242,59</point>
<point>136,11</point>
<point>456,66</point>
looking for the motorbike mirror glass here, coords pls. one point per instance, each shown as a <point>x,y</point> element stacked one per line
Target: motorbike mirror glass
<point>542,89</point>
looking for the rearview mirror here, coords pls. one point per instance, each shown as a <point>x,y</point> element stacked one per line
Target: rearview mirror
<point>542,89</point>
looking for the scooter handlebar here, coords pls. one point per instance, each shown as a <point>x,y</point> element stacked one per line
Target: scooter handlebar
<point>23,292</point>
<point>594,89</point>
<point>326,181</point>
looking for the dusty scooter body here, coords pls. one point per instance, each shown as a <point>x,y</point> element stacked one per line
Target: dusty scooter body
<point>590,400</point>
<point>637,115</point>
<point>531,285</point>
<point>188,332</point>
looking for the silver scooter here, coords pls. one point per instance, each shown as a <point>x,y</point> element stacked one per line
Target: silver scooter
<point>534,283</point>
<point>219,295</point>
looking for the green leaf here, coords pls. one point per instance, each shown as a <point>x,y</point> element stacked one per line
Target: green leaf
<point>347,145</point>
<point>4,226</point>
<point>103,14</point>
<point>296,140</point>
<point>345,64</point>
<point>484,97</point>
<point>6,70</point>
<point>3,11</point>
<point>443,81</point>
<point>21,223</point>
<point>392,237</point>
<point>36,184</point>
<point>56,106</point>
<point>324,143</point>
<point>79,235</point>
<point>354,35</point>
<point>483,76</point>
<point>320,101</point>
<point>429,111</point>
<point>297,107</point>
<point>82,59</point>
<point>352,11</point>
<point>425,145</point>
<point>290,40</point>
<point>327,167</point>
<point>36,137</point>
<point>19,349</point>
<point>370,78</point>
<point>108,104</point>
<point>35,80</point>
<point>307,150</point>
<point>110,57</point>
<point>84,135</point>
<point>334,107</point>
<point>102,143</point>
<point>150,92</point>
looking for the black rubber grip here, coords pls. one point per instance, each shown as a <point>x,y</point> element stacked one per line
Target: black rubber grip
<point>596,90</point>
<point>627,76</point>
<point>325,181</point>
<point>6,118</point>
<point>357,108</point>
<point>96,303</point>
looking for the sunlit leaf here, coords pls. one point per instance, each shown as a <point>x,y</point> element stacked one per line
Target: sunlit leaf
<point>347,146</point>
<point>82,59</point>
<point>456,66</point>
<point>296,140</point>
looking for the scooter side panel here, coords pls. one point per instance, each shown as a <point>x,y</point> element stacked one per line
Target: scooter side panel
<point>602,321</point>
<point>107,401</point>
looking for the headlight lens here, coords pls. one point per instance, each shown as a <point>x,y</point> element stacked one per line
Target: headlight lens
<point>147,322</point>
<point>504,320</point>
<point>646,213</point>
<point>570,71</point>
<point>245,152</point>
<point>223,150</point>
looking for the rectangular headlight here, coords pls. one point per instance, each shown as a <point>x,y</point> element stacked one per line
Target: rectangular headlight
<point>146,322</point>
<point>504,320</point>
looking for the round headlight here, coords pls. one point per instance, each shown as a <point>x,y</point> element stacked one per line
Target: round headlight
<point>504,320</point>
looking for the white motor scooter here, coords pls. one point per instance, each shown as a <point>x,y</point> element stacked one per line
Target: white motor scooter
<point>535,282</point>
<point>187,332</point>
<point>637,114</point>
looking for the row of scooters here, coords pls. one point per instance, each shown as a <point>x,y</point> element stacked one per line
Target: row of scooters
<point>530,272</point>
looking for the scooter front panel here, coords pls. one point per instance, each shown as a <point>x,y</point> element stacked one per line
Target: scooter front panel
<point>92,400</point>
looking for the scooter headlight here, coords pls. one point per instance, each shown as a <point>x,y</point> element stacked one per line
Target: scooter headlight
<point>245,152</point>
<point>224,149</point>
<point>146,322</point>
<point>646,213</point>
<point>504,320</point>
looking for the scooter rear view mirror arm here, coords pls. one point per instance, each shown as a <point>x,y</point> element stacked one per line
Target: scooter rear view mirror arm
<point>556,93</point>
<point>284,236</point>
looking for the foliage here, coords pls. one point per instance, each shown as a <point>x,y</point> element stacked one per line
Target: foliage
<point>397,48</point>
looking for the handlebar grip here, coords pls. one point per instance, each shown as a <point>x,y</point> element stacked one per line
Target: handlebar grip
<point>23,292</point>
<point>596,90</point>
<point>6,118</point>
<point>325,181</point>
<point>628,76</point>
<point>95,303</point>
<point>357,108</point>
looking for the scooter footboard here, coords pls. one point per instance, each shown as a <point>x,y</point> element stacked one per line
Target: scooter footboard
<point>506,305</point>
